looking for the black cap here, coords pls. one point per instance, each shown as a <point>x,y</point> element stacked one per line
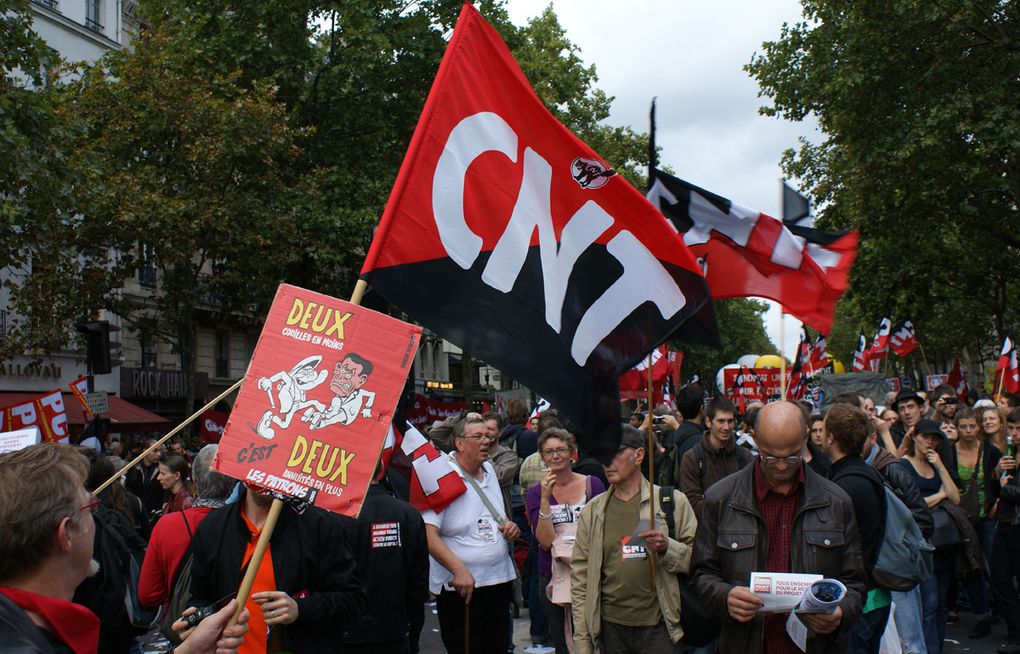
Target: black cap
<point>632,438</point>
<point>926,426</point>
<point>907,394</point>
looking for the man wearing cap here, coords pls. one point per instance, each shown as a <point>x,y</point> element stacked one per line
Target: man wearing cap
<point>617,607</point>
<point>908,404</point>
<point>777,515</point>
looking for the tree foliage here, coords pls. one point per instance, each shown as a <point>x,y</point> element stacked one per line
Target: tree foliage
<point>917,102</point>
<point>741,331</point>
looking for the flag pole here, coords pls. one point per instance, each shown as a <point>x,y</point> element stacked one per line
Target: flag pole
<point>927,370</point>
<point>274,514</point>
<point>652,160</point>
<point>1002,378</point>
<point>782,355</point>
<point>170,434</point>
<point>651,460</point>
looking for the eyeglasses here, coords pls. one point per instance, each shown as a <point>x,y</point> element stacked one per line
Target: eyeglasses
<point>776,460</point>
<point>91,506</point>
<point>561,451</point>
<point>478,437</point>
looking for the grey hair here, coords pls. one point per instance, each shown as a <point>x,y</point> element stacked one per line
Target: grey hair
<point>460,428</point>
<point>211,485</point>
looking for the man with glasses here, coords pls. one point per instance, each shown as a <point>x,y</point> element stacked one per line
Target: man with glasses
<point>781,513</point>
<point>471,571</point>
<point>715,456</point>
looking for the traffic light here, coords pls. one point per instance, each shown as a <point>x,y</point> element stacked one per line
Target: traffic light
<point>97,346</point>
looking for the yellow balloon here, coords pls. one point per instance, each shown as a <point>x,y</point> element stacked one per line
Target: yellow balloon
<point>837,365</point>
<point>769,361</point>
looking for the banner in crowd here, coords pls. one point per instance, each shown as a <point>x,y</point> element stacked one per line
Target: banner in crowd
<point>753,384</point>
<point>43,412</point>
<point>212,425</point>
<point>427,410</point>
<point>79,388</point>
<point>510,237</point>
<point>317,400</point>
<point>19,439</point>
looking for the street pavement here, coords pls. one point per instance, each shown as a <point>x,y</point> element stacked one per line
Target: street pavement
<point>956,636</point>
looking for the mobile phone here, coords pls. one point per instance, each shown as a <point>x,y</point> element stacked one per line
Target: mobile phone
<point>205,611</point>
<point>657,419</point>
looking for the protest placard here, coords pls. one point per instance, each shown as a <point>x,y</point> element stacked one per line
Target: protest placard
<point>12,441</point>
<point>44,412</point>
<point>317,400</point>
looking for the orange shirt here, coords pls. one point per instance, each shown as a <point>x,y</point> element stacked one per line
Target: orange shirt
<point>255,639</point>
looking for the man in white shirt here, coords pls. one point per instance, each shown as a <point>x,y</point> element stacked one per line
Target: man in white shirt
<point>470,564</point>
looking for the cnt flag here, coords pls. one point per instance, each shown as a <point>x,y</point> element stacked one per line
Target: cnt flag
<point>904,339</point>
<point>434,483</point>
<point>747,253</point>
<point>1006,371</point>
<point>861,354</point>
<point>511,238</point>
<point>880,344</point>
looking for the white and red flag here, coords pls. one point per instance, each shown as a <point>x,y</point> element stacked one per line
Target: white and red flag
<point>904,339</point>
<point>1006,371</point>
<point>634,382</point>
<point>880,344</point>
<point>513,239</point>
<point>434,484</point>
<point>861,354</point>
<point>819,354</point>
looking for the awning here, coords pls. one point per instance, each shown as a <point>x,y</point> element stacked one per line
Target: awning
<point>123,415</point>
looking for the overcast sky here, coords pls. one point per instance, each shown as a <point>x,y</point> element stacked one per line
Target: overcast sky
<point>690,56</point>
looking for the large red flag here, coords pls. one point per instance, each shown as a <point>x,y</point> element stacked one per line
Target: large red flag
<point>904,339</point>
<point>510,237</point>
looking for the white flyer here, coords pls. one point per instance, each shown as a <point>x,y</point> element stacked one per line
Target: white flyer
<point>781,591</point>
<point>822,596</point>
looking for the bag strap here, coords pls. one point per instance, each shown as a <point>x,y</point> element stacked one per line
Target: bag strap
<point>481,494</point>
<point>666,503</point>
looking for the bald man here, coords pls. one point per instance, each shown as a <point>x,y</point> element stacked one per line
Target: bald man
<point>776,515</point>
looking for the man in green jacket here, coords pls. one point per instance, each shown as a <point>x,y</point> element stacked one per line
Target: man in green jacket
<point>624,591</point>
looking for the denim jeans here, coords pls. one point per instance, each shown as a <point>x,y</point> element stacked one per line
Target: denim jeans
<point>866,634</point>
<point>909,620</point>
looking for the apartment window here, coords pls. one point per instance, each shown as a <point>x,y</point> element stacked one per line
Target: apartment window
<point>92,8</point>
<point>49,4</point>
<point>222,353</point>
<point>147,267</point>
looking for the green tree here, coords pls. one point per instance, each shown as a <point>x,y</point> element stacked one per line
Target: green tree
<point>741,331</point>
<point>198,174</point>
<point>917,102</point>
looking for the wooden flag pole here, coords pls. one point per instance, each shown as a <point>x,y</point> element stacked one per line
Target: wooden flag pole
<point>1002,378</point>
<point>927,370</point>
<point>170,434</point>
<point>274,513</point>
<point>651,466</point>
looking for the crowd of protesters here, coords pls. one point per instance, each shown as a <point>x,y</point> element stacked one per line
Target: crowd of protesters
<point>650,551</point>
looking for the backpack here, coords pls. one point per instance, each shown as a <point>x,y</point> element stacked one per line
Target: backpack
<point>700,625</point>
<point>744,457</point>
<point>180,589</point>
<point>903,558</point>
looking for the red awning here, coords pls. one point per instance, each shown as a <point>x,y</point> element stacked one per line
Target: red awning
<point>123,415</point>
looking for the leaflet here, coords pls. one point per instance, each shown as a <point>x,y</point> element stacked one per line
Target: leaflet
<point>781,591</point>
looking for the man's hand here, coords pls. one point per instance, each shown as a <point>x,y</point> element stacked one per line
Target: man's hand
<point>742,603</point>
<point>901,451</point>
<point>210,633</point>
<point>277,606</point>
<point>1005,463</point>
<point>670,421</point>
<point>823,623</point>
<point>464,583</point>
<point>655,540</point>
<point>510,531</point>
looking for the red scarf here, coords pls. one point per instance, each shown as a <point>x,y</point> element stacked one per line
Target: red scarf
<point>74,624</point>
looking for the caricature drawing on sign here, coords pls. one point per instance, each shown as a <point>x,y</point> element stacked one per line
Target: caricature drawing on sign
<point>291,389</point>
<point>349,375</point>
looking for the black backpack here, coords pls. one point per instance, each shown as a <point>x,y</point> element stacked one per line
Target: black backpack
<point>180,589</point>
<point>700,625</point>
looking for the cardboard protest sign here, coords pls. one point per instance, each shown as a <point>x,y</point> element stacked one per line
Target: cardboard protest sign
<point>754,384</point>
<point>44,412</point>
<point>12,441</point>
<point>317,399</point>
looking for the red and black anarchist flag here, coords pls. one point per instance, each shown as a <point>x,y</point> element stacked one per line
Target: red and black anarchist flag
<point>745,253</point>
<point>507,235</point>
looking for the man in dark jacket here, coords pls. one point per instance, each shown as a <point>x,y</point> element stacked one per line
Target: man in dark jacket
<point>846,430</point>
<point>777,515</point>
<point>306,579</point>
<point>1005,563</point>
<point>715,456</point>
<point>690,405</point>
<point>392,554</point>
<point>143,481</point>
